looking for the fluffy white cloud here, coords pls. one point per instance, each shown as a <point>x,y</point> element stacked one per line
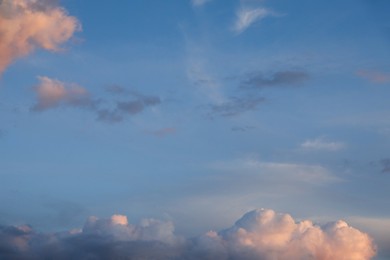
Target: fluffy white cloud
<point>29,24</point>
<point>259,234</point>
<point>264,234</point>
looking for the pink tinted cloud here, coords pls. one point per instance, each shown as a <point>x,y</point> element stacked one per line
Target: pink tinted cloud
<point>374,76</point>
<point>26,25</point>
<point>52,93</point>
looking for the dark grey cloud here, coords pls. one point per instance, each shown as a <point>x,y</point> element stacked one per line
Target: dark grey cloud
<point>236,106</point>
<point>115,89</point>
<point>277,79</point>
<point>242,128</point>
<point>123,108</point>
<point>259,234</point>
<point>385,163</point>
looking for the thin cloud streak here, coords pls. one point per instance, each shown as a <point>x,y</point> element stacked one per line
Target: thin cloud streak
<point>235,106</point>
<point>376,77</point>
<point>322,145</point>
<point>198,3</point>
<point>285,78</point>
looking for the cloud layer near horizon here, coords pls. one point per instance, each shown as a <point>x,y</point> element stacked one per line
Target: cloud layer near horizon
<point>26,25</point>
<point>259,234</point>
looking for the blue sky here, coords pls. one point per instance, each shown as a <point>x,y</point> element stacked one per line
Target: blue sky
<point>195,112</point>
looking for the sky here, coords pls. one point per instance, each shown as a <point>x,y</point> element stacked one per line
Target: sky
<point>214,129</point>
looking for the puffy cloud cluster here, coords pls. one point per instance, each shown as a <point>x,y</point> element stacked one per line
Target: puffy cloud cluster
<point>29,24</point>
<point>259,234</point>
<point>264,234</point>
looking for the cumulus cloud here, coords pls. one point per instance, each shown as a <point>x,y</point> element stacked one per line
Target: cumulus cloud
<point>247,16</point>
<point>259,234</point>
<point>321,144</point>
<point>374,76</point>
<point>52,93</point>
<point>264,234</point>
<point>280,78</point>
<point>26,25</point>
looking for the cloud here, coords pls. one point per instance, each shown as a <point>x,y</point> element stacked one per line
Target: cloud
<point>247,16</point>
<point>280,78</point>
<point>26,25</point>
<point>322,145</point>
<point>377,77</point>
<point>52,93</point>
<point>127,108</point>
<point>385,163</point>
<point>199,2</point>
<point>115,89</point>
<point>235,106</point>
<point>162,132</point>
<point>273,173</point>
<point>264,234</point>
<point>242,128</point>
<point>259,234</point>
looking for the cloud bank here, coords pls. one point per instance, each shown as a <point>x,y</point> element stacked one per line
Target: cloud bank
<point>259,234</point>
<point>26,25</point>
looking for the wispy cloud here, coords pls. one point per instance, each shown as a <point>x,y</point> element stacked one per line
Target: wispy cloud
<point>26,25</point>
<point>248,16</point>
<point>322,144</point>
<point>279,78</point>
<point>259,234</point>
<point>162,132</point>
<point>199,2</point>
<point>236,106</point>
<point>373,76</point>
<point>273,172</point>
